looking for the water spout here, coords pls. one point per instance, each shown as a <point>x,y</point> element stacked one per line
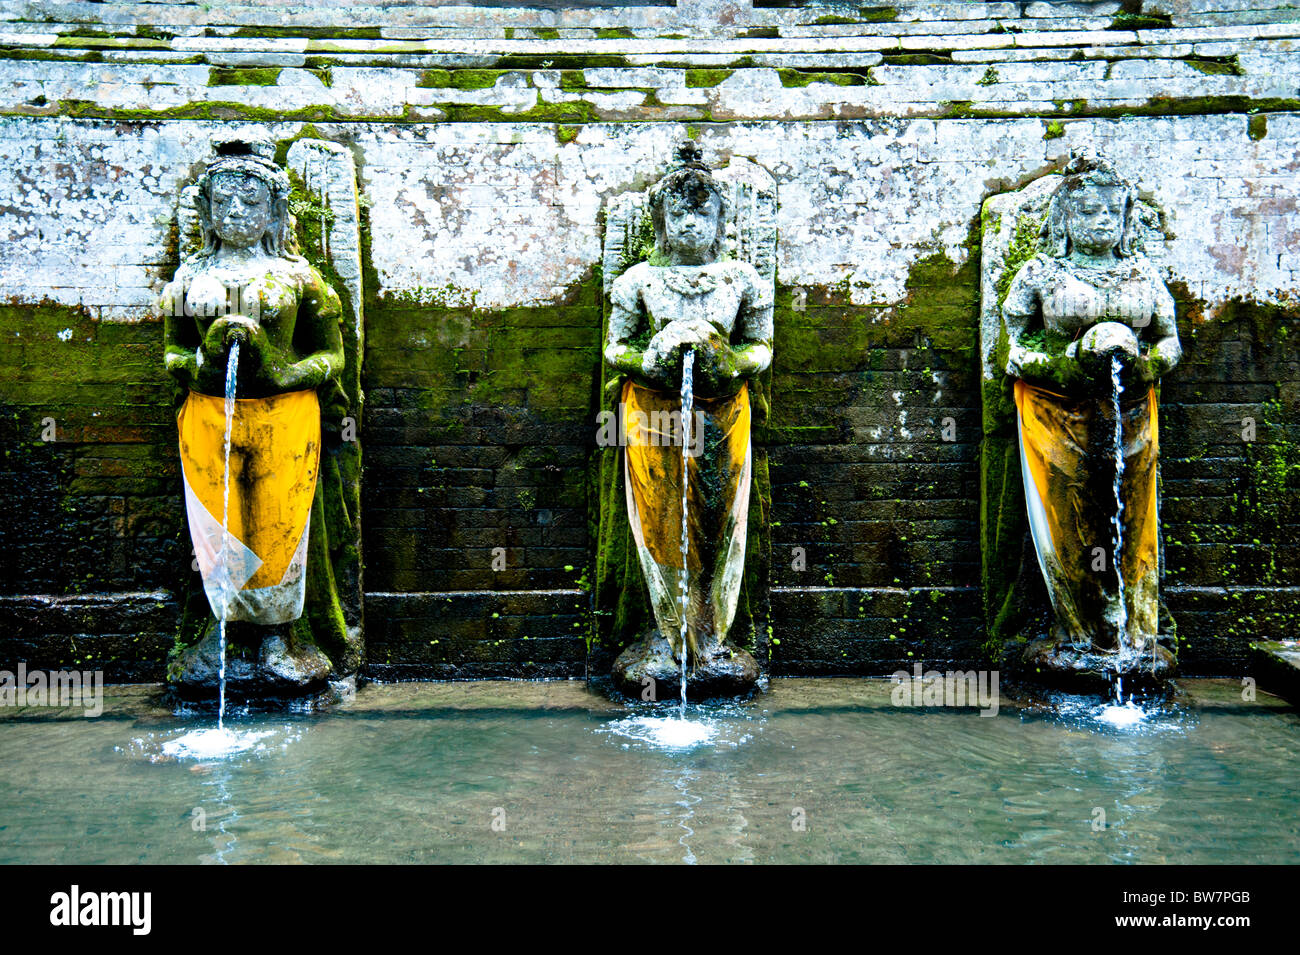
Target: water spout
<point>688,410</point>
<point>1117,389</point>
<point>232,375</point>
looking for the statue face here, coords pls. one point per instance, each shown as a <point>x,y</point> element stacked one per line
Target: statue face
<point>241,209</point>
<point>1096,219</point>
<point>691,228</point>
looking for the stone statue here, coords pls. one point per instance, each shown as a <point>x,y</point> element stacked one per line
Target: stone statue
<point>248,287</point>
<point>688,299</point>
<point>1090,330</point>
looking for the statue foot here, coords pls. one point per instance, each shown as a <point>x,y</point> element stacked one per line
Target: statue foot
<point>649,671</point>
<point>277,669</point>
<point>1085,669</point>
<point>300,666</point>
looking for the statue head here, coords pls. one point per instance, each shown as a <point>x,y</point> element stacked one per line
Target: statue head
<point>688,209</point>
<point>1091,211</point>
<point>243,197</point>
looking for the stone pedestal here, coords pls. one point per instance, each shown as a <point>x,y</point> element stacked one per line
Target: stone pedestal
<point>647,670</point>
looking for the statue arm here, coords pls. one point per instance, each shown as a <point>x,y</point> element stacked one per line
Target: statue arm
<point>317,336</point>
<point>1019,310</point>
<point>752,350</point>
<point>180,336</point>
<point>626,320</point>
<point>1029,360</point>
<point>1166,351</point>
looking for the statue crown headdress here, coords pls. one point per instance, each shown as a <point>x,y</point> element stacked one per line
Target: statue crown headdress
<point>250,152</point>
<point>690,155</point>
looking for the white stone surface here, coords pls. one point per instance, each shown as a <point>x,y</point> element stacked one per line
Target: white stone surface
<point>505,214</point>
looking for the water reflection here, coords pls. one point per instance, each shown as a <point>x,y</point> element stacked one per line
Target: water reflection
<point>815,771</point>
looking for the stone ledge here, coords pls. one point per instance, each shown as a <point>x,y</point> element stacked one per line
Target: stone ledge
<point>1277,665</point>
<point>126,635</point>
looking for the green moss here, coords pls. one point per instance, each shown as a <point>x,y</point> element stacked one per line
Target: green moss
<point>475,79</point>
<point>918,59</point>
<point>831,21</point>
<point>311,33</point>
<point>1216,65</point>
<point>990,78</point>
<point>760,33</point>
<point>614,33</point>
<point>1257,127</point>
<point>798,78</point>
<point>573,81</point>
<point>878,14</point>
<point>1024,246</point>
<point>434,80</point>
<point>567,134</point>
<point>1140,21</point>
<point>106,42</point>
<point>244,76</point>
<point>1203,106</point>
<point>559,61</point>
<point>1054,130</point>
<point>703,79</point>
<point>546,33</point>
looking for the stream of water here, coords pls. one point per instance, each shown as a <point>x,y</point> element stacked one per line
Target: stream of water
<point>1116,390</point>
<point>688,410</point>
<point>232,377</point>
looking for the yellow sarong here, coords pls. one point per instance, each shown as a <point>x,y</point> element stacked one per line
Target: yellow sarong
<point>1066,455</point>
<point>256,571</point>
<point>717,506</point>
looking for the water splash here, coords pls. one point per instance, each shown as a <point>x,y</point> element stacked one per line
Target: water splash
<point>661,732</point>
<point>232,376</point>
<point>1120,713</point>
<point>687,413</point>
<point>213,743</point>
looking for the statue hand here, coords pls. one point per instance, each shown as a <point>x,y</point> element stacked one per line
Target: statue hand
<point>1061,372</point>
<point>224,332</point>
<point>662,360</point>
<point>1105,343</point>
<point>181,366</point>
<point>308,373</point>
<point>1148,368</point>
<point>717,369</point>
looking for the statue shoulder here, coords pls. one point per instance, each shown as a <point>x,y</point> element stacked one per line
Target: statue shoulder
<point>637,274</point>
<point>1147,269</point>
<point>314,287</point>
<point>1038,268</point>
<point>179,282</point>
<point>738,270</point>
<point>626,289</point>
<point>753,285</point>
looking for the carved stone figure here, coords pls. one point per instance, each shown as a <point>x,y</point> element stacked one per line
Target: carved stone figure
<point>688,300</point>
<point>254,494</point>
<point>1090,330</point>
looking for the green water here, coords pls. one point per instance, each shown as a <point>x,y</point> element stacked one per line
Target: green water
<point>812,771</point>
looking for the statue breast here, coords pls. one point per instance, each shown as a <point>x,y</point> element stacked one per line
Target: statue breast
<point>1074,298</point>
<point>714,292</point>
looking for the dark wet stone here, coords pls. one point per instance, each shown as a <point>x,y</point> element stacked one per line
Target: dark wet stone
<point>277,669</point>
<point>1086,670</point>
<point>649,671</point>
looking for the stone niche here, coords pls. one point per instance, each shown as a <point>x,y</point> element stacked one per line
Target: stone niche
<point>1016,605</point>
<point>324,207</point>
<point>620,595</point>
